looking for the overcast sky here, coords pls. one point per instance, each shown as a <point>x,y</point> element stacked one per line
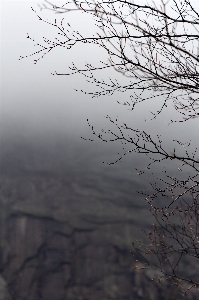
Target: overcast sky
<point>31,98</point>
<point>30,94</point>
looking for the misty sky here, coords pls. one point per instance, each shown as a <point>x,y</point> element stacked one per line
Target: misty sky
<point>32,99</point>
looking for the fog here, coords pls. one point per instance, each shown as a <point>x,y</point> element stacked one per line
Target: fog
<point>37,105</point>
<point>43,118</point>
<point>33,97</point>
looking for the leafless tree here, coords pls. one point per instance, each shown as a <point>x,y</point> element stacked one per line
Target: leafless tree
<point>155,46</point>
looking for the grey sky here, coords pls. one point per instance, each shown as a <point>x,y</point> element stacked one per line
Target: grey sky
<point>31,98</point>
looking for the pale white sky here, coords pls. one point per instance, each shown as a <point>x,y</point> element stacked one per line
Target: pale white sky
<point>31,96</point>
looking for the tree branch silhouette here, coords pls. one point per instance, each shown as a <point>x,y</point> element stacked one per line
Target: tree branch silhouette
<point>155,46</point>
